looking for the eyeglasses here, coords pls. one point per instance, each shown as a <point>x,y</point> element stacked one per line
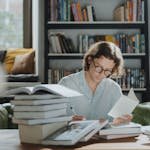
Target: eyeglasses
<point>100,69</point>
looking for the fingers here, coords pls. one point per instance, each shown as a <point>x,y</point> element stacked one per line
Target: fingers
<point>122,120</point>
<point>78,118</point>
<point>117,121</point>
<point>102,120</point>
<point>128,116</point>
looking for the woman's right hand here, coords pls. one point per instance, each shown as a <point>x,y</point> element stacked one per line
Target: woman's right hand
<point>78,118</point>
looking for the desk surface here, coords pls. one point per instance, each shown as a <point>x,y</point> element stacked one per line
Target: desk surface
<point>9,140</point>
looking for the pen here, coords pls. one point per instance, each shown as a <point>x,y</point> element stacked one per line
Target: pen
<point>73,111</point>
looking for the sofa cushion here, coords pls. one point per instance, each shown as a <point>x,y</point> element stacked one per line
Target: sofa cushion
<point>141,114</point>
<point>11,55</point>
<point>3,118</point>
<point>24,64</point>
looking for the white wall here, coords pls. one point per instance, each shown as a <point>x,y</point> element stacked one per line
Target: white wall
<point>38,36</point>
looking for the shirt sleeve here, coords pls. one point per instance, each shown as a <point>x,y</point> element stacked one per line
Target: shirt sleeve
<point>65,81</point>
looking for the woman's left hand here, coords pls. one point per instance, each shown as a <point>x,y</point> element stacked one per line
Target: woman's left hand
<point>122,120</point>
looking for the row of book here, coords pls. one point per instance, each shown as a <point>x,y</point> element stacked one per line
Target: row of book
<point>70,10</point>
<point>59,43</point>
<point>128,43</point>
<point>132,77</point>
<point>54,75</point>
<point>131,10</point>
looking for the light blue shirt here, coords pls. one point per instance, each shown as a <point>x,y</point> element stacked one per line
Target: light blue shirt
<point>92,105</point>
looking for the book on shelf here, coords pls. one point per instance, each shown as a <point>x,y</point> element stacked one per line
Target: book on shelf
<point>79,12</point>
<point>42,121</point>
<point>30,102</point>
<point>130,128</point>
<point>47,88</point>
<point>74,12</point>
<point>39,107</point>
<point>90,13</point>
<point>39,114</point>
<point>125,105</point>
<point>36,133</point>
<point>118,136</point>
<point>71,134</point>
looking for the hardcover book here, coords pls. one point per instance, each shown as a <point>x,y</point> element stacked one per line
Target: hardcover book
<point>38,114</point>
<point>30,102</point>
<point>121,129</point>
<point>118,136</point>
<point>36,133</point>
<point>19,108</point>
<point>42,121</point>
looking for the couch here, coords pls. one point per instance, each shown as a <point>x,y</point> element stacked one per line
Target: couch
<point>19,64</point>
<point>6,113</point>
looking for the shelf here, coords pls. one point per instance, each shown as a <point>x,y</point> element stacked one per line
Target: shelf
<point>135,89</point>
<point>80,56</point>
<point>95,25</point>
<point>65,56</point>
<point>104,26</point>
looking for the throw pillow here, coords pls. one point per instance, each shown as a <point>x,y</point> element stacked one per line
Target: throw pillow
<point>24,64</point>
<point>10,57</point>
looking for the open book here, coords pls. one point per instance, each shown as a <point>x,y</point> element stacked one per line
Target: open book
<point>47,88</point>
<point>125,105</point>
<point>101,125</point>
<point>71,134</point>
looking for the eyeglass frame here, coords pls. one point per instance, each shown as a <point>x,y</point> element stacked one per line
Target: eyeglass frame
<point>101,69</point>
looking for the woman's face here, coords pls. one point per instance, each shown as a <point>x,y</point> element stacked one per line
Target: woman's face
<point>100,68</point>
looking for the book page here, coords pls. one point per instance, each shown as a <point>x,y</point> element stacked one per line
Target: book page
<point>57,89</point>
<point>125,105</point>
<point>21,90</point>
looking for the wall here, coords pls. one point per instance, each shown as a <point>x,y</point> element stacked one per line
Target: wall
<point>38,36</point>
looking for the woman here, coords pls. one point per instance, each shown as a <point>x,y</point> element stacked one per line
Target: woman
<point>101,61</point>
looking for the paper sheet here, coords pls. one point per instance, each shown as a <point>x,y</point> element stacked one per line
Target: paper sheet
<point>125,105</point>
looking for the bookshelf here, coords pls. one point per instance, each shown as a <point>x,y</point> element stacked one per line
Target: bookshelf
<point>103,25</point>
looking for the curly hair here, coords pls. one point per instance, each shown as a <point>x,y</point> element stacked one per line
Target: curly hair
<point>108,50</point>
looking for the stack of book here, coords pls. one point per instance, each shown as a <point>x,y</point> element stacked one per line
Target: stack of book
<point>121,131</point>
<point>40,114</point>
<point>124,105</point>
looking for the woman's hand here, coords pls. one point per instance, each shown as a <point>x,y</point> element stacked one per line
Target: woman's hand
<point>78,118</point>
<point>122,120</point>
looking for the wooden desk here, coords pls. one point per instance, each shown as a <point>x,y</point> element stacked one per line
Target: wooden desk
<point>9,140</point>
